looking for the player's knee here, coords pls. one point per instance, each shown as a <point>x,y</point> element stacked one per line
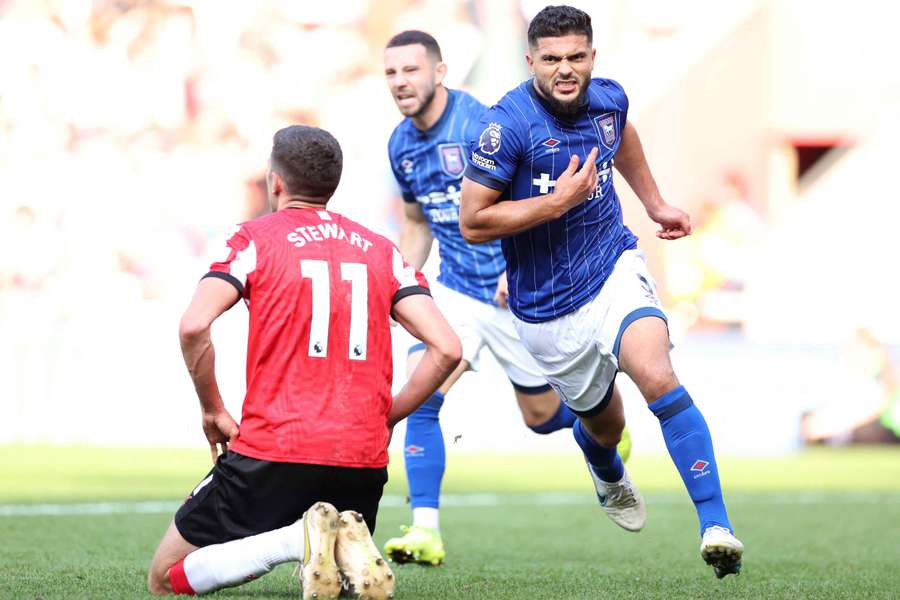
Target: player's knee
<point>610,439</point>
<point>607,433</point>
<point>653,383</point>
<point>535,417</point>
<point>610,434</point>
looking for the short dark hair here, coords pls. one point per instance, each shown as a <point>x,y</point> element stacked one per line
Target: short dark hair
<point>557,21</point>
<point>414,36</point>
<point>308,159</point>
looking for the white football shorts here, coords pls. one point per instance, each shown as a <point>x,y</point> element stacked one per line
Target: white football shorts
<point>578,353</point>
<point>481,325</point>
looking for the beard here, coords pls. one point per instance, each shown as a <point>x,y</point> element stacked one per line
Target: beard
<point>565,109</point>
<point>426,103</point>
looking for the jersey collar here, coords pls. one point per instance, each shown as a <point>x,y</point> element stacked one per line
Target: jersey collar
<point>448,108</point>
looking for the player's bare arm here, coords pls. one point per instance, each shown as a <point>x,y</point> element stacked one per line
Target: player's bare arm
<point>632,164</point>
<point>502,294</point>
<point>212,298</point>
<point>415,235</point>
<point>482,218</point>
<point>419,315</point>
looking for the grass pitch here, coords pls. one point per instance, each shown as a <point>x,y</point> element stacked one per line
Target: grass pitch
<point>823,524</point>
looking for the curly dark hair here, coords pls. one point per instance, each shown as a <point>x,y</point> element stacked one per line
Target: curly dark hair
<point>308,159</point>
<point>557,21</point>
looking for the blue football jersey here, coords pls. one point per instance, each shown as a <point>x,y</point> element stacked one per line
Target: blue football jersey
<point>429,167</point>
<point>557,267</point>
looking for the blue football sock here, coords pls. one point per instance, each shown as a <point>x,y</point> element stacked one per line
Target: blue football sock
<point>562,419</point>
<point>424,453</point>
<point>690,446</point>
<point>605,462</point>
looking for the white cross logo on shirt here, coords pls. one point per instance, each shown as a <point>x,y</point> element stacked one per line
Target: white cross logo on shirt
<point>545,183</point>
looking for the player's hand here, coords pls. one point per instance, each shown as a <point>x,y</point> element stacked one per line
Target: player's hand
<point>502,291</point>
<point>574,185</point>
<point>675,222</point>
<point>220,430</point>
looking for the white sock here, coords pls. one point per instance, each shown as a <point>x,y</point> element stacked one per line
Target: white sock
<point>426,517</point>
<point>239,561</point>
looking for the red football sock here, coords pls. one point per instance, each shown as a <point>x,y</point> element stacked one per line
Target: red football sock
<point>179,581</point>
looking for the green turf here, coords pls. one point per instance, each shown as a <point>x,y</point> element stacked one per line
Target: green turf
<point>46,474</point>
<point>820,525</point>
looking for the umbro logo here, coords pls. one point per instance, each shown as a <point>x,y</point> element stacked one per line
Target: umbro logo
<point>413,450</point>
<point>699,465</point>
<point>552,143</point>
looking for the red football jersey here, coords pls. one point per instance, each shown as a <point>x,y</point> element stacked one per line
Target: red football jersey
<point>319,288</point>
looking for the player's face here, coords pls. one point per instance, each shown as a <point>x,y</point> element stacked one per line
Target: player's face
<point>412,77</point>
<point>562,69</point>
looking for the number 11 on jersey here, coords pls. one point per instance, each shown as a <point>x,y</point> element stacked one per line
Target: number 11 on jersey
<point>357,275</point>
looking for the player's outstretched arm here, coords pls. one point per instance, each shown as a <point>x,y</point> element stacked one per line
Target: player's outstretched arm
<point>213,297</point>
<point>632,164</point>
<point>483,219</point>
<point>419,315</point>
<point>415,236</point>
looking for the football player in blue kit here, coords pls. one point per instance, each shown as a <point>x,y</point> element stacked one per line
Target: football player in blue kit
<point>540,178</point>
<point>427,152</point>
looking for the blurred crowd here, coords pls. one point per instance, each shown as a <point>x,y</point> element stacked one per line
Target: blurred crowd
<point>134,132</point>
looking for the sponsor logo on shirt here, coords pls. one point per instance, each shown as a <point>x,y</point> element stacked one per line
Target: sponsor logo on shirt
<point>545,184</point>
<point>451,195</point>
<point>485,163</point>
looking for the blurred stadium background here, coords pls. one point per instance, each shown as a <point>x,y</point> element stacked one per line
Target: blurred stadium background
<point>134,133</point>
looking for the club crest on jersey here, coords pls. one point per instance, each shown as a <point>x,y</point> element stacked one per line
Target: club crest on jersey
<point>608,129</point>
<point>489,142</point>
<point>407,165</point>
<point>453,161</point>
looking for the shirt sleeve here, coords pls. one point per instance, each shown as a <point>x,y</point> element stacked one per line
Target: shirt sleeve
<point>495,151</point>
<point>235,260</point>
<point>406,280</point>
<point>399,175</point>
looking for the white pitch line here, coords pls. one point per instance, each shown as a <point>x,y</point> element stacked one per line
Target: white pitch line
<point>93,508</point>
<point>471,500</point>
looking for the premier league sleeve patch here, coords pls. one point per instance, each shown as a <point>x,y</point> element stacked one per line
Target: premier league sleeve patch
<point>489,142</point>
<point>453,160</point>
<point>608,128</point>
